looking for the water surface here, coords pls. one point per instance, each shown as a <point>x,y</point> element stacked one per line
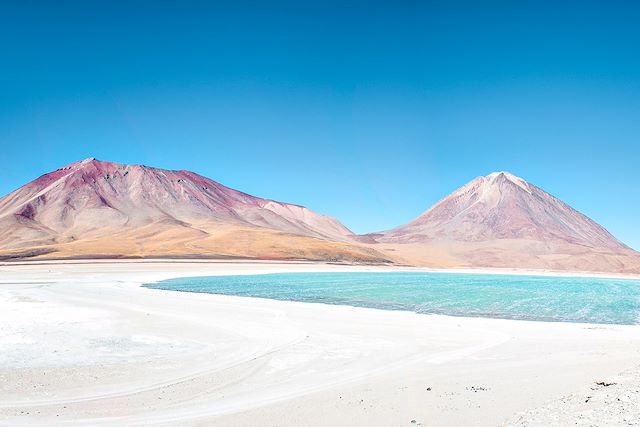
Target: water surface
<point>562,299</point>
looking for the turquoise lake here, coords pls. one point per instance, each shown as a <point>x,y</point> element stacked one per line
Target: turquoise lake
<point>560,299</point>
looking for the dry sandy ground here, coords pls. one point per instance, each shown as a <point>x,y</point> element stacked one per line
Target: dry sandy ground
<point>84,344</point>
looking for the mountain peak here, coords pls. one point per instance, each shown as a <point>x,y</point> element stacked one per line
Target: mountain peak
<point>500,207</point>
<point>501,220</point>
<point>503,176</point>
<point>86,161</point>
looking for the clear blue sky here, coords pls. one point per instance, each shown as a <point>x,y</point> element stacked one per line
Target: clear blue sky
<point>370,112</point>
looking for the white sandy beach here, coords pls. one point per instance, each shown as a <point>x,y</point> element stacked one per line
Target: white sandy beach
<point>83,344</point>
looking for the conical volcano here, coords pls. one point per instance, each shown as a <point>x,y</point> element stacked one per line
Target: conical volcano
<point>501,220</point>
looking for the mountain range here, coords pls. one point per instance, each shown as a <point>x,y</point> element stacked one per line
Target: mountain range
<point>97,209</point>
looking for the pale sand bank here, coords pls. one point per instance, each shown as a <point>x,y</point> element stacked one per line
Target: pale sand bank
<point>84,344</point>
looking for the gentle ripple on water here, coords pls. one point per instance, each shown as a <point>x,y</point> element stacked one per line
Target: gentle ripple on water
<point>563,299</point>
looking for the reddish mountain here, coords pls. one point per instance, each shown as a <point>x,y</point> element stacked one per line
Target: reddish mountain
<point>500,220</point>
<point>101,208</point>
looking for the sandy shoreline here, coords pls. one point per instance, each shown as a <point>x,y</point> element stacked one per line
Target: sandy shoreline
<point>350,267</point>
<point>84,344</point>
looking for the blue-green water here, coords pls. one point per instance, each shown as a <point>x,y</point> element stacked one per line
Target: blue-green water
<point>563,299</point>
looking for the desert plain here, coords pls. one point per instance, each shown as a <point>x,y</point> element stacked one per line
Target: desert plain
<point>83,343</point>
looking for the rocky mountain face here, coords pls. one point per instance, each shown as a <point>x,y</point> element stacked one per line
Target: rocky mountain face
<point>149,208</point>
<point>501,220</point>
<point>503,206</point>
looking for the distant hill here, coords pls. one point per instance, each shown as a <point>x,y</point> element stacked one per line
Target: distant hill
<point>501,220</point>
